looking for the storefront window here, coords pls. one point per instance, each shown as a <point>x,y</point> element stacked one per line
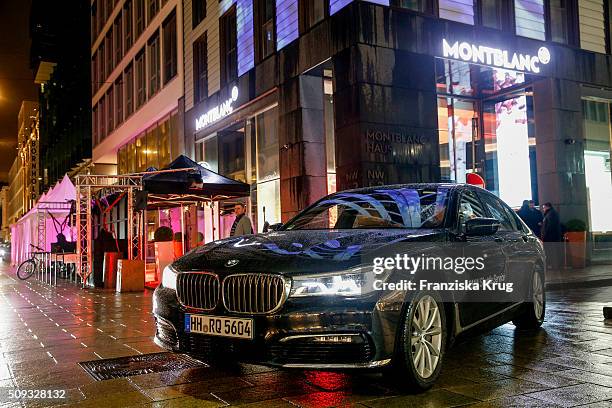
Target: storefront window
<point>156,147</point>
<point>164,144</point>
<point>597,168</point>
<point>210,154</point>
<point>131,158</point>
<point>141,154</point>
<point>485,127</point>
<point>268,203</point>
<point>152,155</point>
<point>268,177</point>
<point>454,77</point>
<point>456,117</point>
<point>267,146</point>
<point>122,160</point>
<point>330,144</point>
<point>509,150</point>
<point>231,152</point>
<point>176,144</point>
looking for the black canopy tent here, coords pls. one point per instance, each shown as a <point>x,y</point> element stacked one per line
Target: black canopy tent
<point>184,180</point>
<point>184,183</point>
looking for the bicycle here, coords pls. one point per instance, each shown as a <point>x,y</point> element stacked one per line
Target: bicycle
<point>27,268</point>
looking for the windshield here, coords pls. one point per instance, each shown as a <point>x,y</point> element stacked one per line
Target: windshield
<point>384,208</point>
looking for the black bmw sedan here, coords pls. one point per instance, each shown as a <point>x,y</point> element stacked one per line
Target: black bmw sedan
<point>381,277</point>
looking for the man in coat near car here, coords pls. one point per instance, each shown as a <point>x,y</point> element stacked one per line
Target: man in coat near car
<point>531,216</point>
<point>242,224</point>
<point>552,235</point>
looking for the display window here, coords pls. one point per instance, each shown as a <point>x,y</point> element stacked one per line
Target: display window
<point>598,175</point>
<point>485,126</point>
<point>156,147</point>
<point>247,151</point>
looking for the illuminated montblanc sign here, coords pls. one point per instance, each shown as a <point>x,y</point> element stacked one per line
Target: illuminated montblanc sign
<point>479,54</point>
<point>218,112</point>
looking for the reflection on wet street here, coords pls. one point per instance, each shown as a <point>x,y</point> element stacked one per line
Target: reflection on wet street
<point>45,332</point>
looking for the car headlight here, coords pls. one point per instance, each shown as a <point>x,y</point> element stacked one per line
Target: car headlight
<point>353,282</point>
<point>169,277</point>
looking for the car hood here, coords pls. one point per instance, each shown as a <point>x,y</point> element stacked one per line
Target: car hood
<point>298,252</point>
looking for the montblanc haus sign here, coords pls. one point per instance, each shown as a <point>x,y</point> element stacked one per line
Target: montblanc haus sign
<point>218,112</point>
<point>496,57</point>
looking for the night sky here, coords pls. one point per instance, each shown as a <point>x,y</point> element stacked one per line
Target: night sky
<point>16,78</point>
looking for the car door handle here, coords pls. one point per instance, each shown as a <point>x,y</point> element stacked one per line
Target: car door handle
<point>498,239</point>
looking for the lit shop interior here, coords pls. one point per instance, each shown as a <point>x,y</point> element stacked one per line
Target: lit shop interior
<point>487,125</point>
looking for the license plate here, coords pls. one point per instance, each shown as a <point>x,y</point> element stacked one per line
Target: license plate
<point>219,326</point>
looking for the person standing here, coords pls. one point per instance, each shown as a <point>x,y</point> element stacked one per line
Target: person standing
<point>242,224</point>
<point>531,216</point>
<point>552,235</point>
<point>551,224</point>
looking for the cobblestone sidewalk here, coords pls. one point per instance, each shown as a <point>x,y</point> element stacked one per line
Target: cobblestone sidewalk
<point>45,332</point>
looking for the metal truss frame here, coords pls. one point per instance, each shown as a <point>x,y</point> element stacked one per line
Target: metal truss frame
<point>89,187</point>
<point>42,208</point>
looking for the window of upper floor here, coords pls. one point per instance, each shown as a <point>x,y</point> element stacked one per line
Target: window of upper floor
<point>265,28</point>
<point>198,12</point>
<point>228,46</point>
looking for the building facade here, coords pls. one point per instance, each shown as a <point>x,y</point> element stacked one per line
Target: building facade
<point>16,196</point>
<point>300,98</point>
<point>24,185</point>
<point>5,230</point>
<point>137,83</point>
<point>59,57</point>
<point>29,152</point>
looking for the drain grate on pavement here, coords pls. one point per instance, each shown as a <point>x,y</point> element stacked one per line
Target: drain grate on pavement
<point>140,364</point>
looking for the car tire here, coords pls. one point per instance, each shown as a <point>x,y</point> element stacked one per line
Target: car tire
<point>532,313</point>
<point>421,343</point>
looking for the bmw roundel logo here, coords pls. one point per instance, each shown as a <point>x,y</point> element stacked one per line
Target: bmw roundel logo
<point>232,262</point>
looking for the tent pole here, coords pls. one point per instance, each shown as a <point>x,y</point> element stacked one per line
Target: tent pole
<point>182,229</point>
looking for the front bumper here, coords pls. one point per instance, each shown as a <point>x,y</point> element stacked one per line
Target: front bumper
<point>292,337</point>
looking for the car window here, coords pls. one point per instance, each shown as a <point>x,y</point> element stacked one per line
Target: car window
<point>379,208</point>
<point>469,207</point>
<point>500,213</point>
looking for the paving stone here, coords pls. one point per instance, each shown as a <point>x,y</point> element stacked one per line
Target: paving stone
<point>587,377</point>
<point>574,395</point>
<point>498,389</point>
<point>518,401</point>
<point>433,398</point>
<point>555,366</point>
<point>550,379</point>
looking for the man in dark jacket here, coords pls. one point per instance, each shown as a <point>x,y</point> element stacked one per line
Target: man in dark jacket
<point>551,224</point>
<point>531,216</point>
<point>552,236</point>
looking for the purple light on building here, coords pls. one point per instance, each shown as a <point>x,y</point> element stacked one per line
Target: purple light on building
<point>287,25</point>
<point>244,35</point>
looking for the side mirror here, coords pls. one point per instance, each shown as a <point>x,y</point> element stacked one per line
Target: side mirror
<point>271,227</point>
<point>478,227</point>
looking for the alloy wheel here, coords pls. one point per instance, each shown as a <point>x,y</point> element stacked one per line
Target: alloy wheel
<point>538,296</point>
<point>426,336</point>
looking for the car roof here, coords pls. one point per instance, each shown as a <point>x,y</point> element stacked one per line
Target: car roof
<point>450,186</point>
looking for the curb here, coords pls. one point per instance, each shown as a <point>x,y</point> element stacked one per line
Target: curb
<point>579,284</point>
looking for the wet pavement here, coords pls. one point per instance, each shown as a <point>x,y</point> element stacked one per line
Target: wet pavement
<point>45,332</point>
